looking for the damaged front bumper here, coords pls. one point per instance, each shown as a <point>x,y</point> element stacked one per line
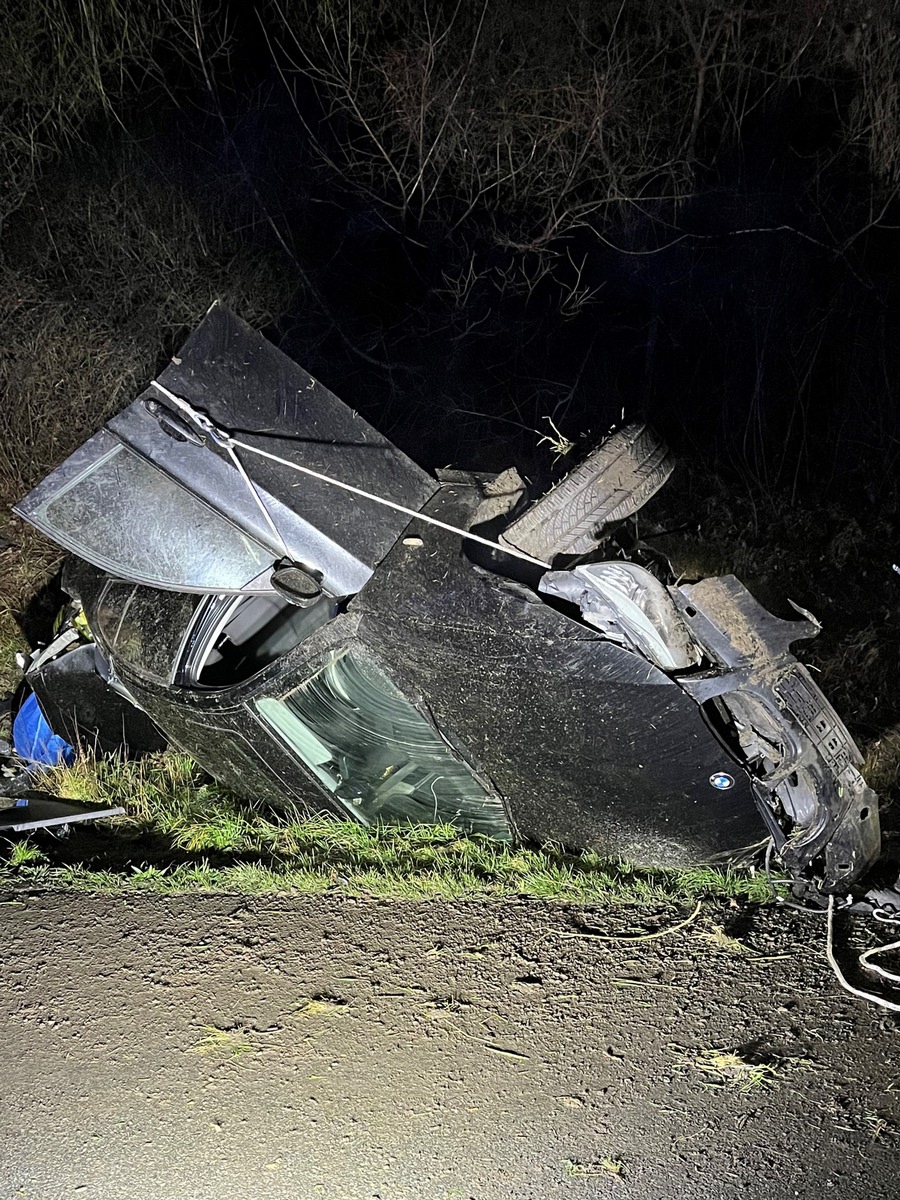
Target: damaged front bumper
<point>803,763</point>
<point>733,658</point>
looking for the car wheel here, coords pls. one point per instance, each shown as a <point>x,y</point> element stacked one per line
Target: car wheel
<point>613,482</point>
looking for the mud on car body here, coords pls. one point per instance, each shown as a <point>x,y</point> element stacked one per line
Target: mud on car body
<point>496,661</point>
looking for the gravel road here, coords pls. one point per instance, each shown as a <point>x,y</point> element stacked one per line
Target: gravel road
<point>429,1051</point>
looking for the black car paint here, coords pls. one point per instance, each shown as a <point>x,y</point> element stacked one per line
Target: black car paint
<point>586,742</point>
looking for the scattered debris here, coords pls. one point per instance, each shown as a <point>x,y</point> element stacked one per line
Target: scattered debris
<point>605,1166</point>
<point>505,1052</point>
<point>720,940</point>
<point>321,1006</point>
<point>585,931</point>
<point>737,1070</point>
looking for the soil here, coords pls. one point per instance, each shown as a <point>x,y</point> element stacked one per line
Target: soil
<point>470,1051</point>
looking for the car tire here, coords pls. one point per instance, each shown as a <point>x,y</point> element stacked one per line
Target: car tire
<point>612,483</point>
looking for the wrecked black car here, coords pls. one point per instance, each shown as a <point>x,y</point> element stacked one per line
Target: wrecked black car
<point>322,624</point>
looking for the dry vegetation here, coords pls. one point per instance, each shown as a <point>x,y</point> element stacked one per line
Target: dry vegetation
<point>537,121</point>
<point>103,265</point>
<point>99,279</point>
<point>62,63</point>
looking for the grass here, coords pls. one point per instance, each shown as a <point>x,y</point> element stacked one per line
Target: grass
<point>882,764</point>
<point>720,940</point>
<point>734,1070</point>
<point>24,853</point>
<point>880,1128</point>
<point>850,1114</point>
<point>63,64</point>
<point>181,833</point>
<point>225,1043</point>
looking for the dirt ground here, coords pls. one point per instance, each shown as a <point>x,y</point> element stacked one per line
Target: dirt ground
<point>471,1051</point>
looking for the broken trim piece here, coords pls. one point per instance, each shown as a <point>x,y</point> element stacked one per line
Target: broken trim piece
<point>38,810</point>
<point>629,606</point>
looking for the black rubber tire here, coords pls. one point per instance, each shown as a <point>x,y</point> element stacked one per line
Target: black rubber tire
<point>611,484</point>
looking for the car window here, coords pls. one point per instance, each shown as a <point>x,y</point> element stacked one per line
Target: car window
<point>144,627</point>
<point>376,753</point>
<point>201,641</point>
<point>234,637</point>
<point>133,521</point>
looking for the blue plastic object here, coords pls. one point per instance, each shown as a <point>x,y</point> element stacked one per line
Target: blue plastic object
<point>35,741</point>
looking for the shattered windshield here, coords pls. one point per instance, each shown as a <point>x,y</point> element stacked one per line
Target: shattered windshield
<point>376,753</point>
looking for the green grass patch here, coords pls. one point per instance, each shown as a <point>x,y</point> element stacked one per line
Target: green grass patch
<point>182,833</point>
<point>23,853</point>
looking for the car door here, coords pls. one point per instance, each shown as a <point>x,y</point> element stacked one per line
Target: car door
<point>154,499</point>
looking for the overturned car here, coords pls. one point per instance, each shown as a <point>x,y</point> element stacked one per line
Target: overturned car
<point>322,624</point>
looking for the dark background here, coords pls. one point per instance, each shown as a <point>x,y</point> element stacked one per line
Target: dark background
<point>483,225</point>
<point>744,299</point>
<point>736,284</point>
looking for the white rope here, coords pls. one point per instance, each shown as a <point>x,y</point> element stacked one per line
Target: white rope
<point>203,422</point>
<point>230,443</point>
<point>410,512</point>
<point>254,492</point>
<point>848,987</point>
<point>876,970</point>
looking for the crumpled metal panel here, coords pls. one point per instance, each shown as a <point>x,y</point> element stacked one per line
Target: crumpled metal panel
<point>801,754</point>
<point>82,708</point>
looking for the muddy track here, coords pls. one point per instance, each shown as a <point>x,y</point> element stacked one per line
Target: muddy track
<point>460,1051</point>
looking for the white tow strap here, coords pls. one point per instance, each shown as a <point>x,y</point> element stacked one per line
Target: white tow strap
<point>865,959</point>
<point>231,444</point>
<point>839,975</point>
<point>254,492</point>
